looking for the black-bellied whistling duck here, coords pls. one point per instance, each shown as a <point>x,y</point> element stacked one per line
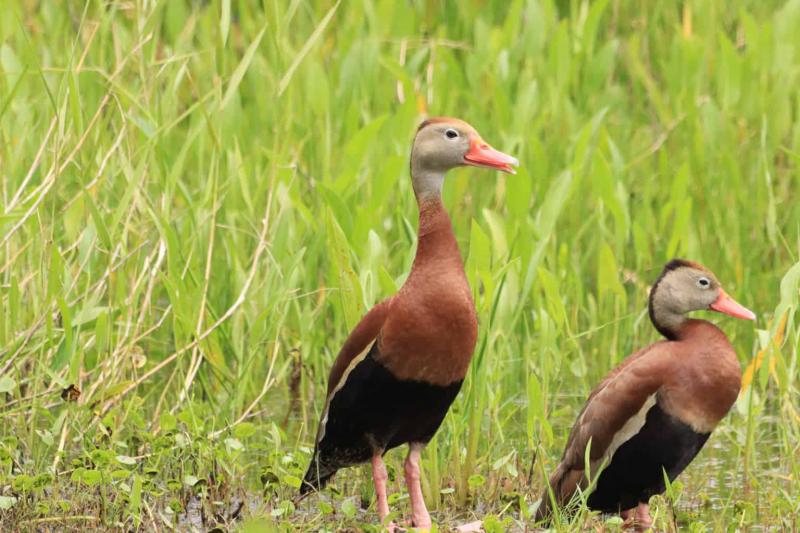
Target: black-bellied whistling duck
<point>402,366</point>
<point>655,411</point>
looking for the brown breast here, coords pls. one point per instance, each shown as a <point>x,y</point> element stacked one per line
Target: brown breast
<point>705,378</point>
<point>431,331</point>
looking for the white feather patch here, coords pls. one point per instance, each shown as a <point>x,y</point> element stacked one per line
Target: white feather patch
<point>629,430</point>
<point>342,380</point>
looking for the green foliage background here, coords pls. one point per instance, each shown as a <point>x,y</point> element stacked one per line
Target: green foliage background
<point>201,198</point>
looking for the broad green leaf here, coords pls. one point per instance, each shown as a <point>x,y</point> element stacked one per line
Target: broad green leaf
<point>225,20</point>
<point>7,384</point>
<point>241,70</point>
<point>313,38</point>
<point>7,502</point>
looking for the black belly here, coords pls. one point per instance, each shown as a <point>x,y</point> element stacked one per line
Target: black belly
<point>375,411</point>
<point>636,470</point>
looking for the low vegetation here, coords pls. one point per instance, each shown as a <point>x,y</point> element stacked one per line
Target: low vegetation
<point>199,199</point>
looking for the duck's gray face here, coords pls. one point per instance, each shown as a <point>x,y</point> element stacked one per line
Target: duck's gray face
<point>443,144</point>
<point>693,288</point>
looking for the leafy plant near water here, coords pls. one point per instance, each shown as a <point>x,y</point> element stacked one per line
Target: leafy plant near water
<point>200,199</point>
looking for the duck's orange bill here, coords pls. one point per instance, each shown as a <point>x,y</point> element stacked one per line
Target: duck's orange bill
<point>729,306</point>
<point>482,155</point>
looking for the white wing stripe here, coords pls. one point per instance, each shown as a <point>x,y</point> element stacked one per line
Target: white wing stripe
<point>342,380</point>
<point>629,430</point>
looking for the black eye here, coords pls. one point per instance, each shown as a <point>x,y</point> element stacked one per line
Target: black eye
<point>451,134</point>
<point>704,283</point>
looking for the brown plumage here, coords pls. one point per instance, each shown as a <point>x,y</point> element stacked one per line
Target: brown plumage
<point>402,366</point>
<point>436,305</point>
<point>654,411</point>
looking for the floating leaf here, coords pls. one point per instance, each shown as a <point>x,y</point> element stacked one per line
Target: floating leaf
<point>46,436</point>
<point>476,481</point>
<point>348,507</point>
<point>167,421</point>
<point>92,477</point>
<point>7,502</point>
<point>233,444</point>
<point>7,384</point>
<point>292,481</point>
<point>244,430</point>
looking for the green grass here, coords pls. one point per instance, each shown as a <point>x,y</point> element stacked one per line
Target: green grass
<point>201,198</point>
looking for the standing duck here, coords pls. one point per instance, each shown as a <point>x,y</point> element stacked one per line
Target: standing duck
<point>403,364</point>
<point>655,411</point>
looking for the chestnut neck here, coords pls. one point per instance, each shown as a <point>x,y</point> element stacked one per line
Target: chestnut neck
<point>436,241</point>
<point>433,216</point>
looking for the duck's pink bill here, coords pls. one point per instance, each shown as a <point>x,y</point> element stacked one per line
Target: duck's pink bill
<point>482,155</point>
<point>729,306</point>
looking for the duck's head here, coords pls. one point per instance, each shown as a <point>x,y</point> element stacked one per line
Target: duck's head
<point>443,143</point>
<point>683,287</point>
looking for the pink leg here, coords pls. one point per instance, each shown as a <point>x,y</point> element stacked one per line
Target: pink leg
<point>379,478</point>
<point>643,520</point>
<point>419,513</point>
<point>638,517</point>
